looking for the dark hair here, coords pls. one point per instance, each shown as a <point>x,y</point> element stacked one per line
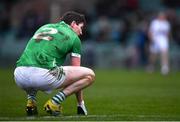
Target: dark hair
<point>71,16</point>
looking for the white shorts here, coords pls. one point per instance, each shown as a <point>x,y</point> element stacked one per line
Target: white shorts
<point>160,45</point>
<point>34,78</point>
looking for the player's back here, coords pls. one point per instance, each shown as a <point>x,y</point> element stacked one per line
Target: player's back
<point>49,46</point>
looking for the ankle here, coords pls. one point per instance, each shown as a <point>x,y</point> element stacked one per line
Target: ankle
<point>81,103</point>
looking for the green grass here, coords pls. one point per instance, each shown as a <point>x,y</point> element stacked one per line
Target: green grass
<point>115,95</point>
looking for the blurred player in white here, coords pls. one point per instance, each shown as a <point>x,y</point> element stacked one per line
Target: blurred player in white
<point>159,32</point>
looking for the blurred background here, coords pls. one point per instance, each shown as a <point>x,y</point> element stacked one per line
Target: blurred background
<point>116,35</point>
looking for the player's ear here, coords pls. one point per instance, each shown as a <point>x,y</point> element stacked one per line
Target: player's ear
<point>73,23</point>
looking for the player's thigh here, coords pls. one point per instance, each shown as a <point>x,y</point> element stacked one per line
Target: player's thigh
<point>75,73</point>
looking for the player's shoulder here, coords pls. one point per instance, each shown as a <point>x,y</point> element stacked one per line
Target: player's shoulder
<point>45,26</point>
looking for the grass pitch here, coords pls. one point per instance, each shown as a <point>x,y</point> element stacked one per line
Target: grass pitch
<point>115,95</point>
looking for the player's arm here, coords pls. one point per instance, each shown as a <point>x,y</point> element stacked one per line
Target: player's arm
<point>76,61</point>
<point>81,109</point>
<point>149,33</point>
<point>170,32</point>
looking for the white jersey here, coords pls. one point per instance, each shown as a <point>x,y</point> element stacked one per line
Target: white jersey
<point>159,30</point>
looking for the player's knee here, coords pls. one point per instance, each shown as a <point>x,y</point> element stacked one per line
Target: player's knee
<point>91,76</point>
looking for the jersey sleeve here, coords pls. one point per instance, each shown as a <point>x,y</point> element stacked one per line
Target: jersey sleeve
<point>76,49</point>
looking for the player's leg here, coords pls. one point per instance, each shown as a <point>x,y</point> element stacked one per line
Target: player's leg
<point>164,57</point>
<point>151,62</point>
<point>81,108</point>
<point>153,51</point>
<point>22,81</point>
<point>77,78</point>
<point>31,107</point>
<point>164,62</point>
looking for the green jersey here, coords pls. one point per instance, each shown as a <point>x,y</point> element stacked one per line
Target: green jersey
<point>50,45</point>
